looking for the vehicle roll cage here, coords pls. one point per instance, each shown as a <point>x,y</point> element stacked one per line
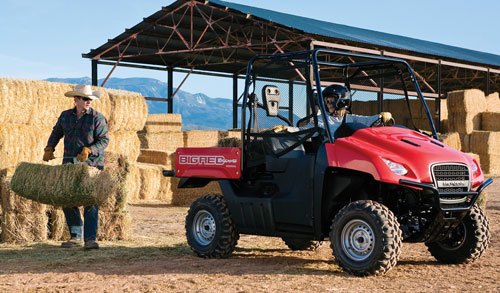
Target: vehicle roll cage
<point>310,57</point>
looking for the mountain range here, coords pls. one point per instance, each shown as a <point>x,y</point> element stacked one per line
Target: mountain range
<point>198,110</point>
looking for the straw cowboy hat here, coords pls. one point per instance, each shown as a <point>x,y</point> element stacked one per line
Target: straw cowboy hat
<point>83,90</point>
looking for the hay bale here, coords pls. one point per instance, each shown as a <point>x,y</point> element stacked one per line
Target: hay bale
<point>22,220</point>
<point>490,121</point>
<point>156,123</point>
<point>185,196</point>
<point>465,142</point>
<point>114,226</point>
<point>154,186</point>
<point>463,122</point>
<point>24,143</point>
<point>128,111</point>
<point>232,142</point>
<point>485,142</point>
<point>470,101</point>
<point>67,185</point>
<point>493,103</point>
<point>39,102</point>
<point>133,183</point>
<point>482,200</point>
<point>452,139</point>
<point>126,143</point>
<point>201,138</point>
<point>366,108</point>
<point>165,141</point>
<point>58,229</point>
<point>157,157</point>
<point>490,163</point>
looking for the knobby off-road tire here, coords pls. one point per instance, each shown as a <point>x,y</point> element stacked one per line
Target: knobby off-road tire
<point>466,243</point>
<point>210,231</point>
<point>301,243</point>
<point>366,238</point>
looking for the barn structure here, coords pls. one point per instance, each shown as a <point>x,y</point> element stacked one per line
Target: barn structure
<point>217,38</point>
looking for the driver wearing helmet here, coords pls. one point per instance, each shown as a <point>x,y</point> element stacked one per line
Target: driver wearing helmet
<point>337,100</point>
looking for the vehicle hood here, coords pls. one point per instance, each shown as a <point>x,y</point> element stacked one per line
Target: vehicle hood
<point>365,148</point>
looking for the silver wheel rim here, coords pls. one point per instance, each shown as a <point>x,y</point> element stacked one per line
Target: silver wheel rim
<point>358,240</point>
<point>204,227</point>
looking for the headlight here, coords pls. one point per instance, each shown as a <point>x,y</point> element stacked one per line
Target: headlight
<point>474,167</point>
<point>395,167</point>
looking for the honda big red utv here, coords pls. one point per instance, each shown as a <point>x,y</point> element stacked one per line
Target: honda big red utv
<point>366,188</point>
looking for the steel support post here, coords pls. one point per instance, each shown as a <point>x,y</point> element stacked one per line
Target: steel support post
<point>170,90</point>
<point>235,100</point>
<point>94,72</point>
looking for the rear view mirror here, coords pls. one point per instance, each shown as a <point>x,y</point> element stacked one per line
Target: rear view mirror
<point>272,96</point>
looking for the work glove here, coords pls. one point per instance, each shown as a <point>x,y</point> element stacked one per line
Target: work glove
<point>279,128</point>
<point>49,154</point>
<point>84,155</point>
<point>385,117</point>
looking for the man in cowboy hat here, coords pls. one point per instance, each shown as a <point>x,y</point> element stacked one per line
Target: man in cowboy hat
<point>85,133</point>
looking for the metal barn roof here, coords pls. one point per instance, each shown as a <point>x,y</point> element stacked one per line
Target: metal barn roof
<point>345,32</point>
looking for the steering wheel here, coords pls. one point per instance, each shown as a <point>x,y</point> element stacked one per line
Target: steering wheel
<point>379,122</point>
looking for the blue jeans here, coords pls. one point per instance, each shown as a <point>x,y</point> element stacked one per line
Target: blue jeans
<point>90,219</point>
<point>75,224</point>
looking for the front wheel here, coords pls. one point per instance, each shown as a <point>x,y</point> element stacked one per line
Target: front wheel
<point>366,238</point>
<point>210,231</point>
<point>465,243</point>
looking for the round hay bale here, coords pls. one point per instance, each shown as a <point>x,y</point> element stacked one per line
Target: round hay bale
<point>66,185</point>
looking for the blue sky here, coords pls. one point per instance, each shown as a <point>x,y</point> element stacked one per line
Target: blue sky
<point>41,39</point>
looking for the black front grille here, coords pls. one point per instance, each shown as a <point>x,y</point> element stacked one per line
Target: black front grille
<point>451,173</point>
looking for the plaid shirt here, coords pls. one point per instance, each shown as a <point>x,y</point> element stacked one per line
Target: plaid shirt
<point>91,131</point>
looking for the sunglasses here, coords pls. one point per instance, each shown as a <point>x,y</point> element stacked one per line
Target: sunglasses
<point>85,99</point>
<point>330,101</point>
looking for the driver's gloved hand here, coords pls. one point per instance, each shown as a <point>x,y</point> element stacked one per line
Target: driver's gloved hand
<point>385,117</point>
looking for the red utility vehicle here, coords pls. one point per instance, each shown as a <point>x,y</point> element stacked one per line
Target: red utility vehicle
<point>366,188</point>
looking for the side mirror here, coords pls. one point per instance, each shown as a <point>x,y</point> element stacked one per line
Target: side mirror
<point>272,96</point>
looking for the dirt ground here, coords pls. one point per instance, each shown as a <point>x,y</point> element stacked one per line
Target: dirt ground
<point>157,258</point>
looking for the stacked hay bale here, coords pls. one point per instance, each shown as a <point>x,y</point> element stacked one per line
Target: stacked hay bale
<point>464,110</point>
<point>452,139</point>
<point>487,145</point>
<point>201,138</point>
<point>22,220</point>
<point>475,117</point>
<point>490,120</point>
<point>160,138</point>
<point>162,132</point>
<point>34,107</point>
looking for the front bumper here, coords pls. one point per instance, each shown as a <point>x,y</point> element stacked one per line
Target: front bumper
<point>447,205</point>
<point>450,214</point>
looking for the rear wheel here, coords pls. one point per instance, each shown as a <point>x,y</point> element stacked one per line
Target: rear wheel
<point>210,231</point>
<point>465,243</point>
<point>301,243</point>
<point>366,238</point>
